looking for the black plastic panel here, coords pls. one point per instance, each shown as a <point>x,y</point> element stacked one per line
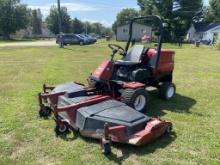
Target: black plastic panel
<point>71,89</point>
<point>63,100</point>
<point>112,112</point>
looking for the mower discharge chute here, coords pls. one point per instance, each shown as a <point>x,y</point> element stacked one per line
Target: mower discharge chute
<point>109,107</point>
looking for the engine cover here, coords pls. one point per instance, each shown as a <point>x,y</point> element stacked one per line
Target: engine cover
<point>140,75</point>
<point>104,71</point>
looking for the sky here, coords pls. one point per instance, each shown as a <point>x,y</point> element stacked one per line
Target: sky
<point>103,11</point>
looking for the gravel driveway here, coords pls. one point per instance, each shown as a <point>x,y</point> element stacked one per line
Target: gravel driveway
<point>27,43</point>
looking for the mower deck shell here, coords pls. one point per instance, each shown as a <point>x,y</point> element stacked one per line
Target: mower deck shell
<point>112,112</point>
<point>125,125</point>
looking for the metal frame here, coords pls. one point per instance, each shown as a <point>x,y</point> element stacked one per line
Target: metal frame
<point>147,18</point>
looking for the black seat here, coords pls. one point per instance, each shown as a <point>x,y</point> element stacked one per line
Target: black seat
<point>133,56</point>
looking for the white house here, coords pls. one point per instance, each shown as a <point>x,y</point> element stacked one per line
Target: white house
<point>139,31</point>
<point>204,32</point>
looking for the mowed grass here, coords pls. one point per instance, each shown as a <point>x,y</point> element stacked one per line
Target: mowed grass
<point>27,139</point>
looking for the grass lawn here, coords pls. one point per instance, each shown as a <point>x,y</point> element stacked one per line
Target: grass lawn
<point>27,139</point>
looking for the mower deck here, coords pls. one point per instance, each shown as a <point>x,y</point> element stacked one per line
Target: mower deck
<point>102,117</point>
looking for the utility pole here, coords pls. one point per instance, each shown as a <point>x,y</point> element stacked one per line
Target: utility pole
<point>60,24</point>
<point>86,26</point>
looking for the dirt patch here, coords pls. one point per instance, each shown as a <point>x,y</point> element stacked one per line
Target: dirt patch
<point>18,151</point>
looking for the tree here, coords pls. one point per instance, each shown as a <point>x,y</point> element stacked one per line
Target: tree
<point>77,26</point>
<point>124,17</point>
<point>215,7</point>
<point>107,31</point>
<point>13,17</point>
<point>96,28</point>
<point>213,11</point>
<point>52,20</point>
<point>179,21</point>
<point>37,21</point>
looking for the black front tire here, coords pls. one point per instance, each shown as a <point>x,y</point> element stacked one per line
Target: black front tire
<point>61,130</point>
<point>45,112</point>
<point>130,96</point>
<point>167,90</point>
<point>106,148</point>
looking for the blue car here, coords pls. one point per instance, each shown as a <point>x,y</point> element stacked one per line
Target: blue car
<point>92,39</point>
<point>71,39</point>
<point>87,41</point>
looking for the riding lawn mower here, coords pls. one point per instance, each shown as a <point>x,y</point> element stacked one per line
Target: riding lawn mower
<point>112,106</point>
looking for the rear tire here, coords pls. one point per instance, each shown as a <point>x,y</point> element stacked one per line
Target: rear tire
<point>136,98</point>
<point>169,129</point>
<point>167,91</point>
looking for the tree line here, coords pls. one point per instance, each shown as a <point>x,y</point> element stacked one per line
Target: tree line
<point>16,16</point>
<point>73,25</point>
<point>178,22</point>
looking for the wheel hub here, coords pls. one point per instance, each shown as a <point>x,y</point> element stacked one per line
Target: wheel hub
<point>170,92</point>
<point>62,128</point>
<point>139,103</point>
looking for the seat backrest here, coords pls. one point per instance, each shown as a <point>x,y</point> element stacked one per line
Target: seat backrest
<point>134,54</point>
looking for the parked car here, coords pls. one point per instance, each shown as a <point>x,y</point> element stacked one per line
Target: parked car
<point>71,39</point>
<point>87,40</point>
<point>92,39</point>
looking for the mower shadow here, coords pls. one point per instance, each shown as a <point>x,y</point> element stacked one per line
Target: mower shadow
<point>70,136</point>
<point>121,152</point>
<point>127,150</point>
<point>179,104</point>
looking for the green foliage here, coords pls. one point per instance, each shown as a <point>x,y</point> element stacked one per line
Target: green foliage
<point>87,27</point>
<point>179,22</point>
<point>124,17</point>
<point>213,11</point>
<point>77,26</point>
<point>96,27</point>
<point>37,21</point>
<point>14,16</point>
<point>52,20</point>
<point>215,7</point>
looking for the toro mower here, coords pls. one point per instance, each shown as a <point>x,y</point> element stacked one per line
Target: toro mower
<point>126,79</point>
<point>111,107</point>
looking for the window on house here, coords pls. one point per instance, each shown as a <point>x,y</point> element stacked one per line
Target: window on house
<point>125,30</point>
<point>200,36</point>
<point>144,31</point>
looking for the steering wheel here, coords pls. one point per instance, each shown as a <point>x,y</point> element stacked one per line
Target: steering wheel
<point>115,49</point>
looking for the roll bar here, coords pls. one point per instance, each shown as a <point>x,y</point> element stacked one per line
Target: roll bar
<point>148,18</point>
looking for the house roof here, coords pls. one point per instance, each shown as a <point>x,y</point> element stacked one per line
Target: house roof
<point>202,26</point>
